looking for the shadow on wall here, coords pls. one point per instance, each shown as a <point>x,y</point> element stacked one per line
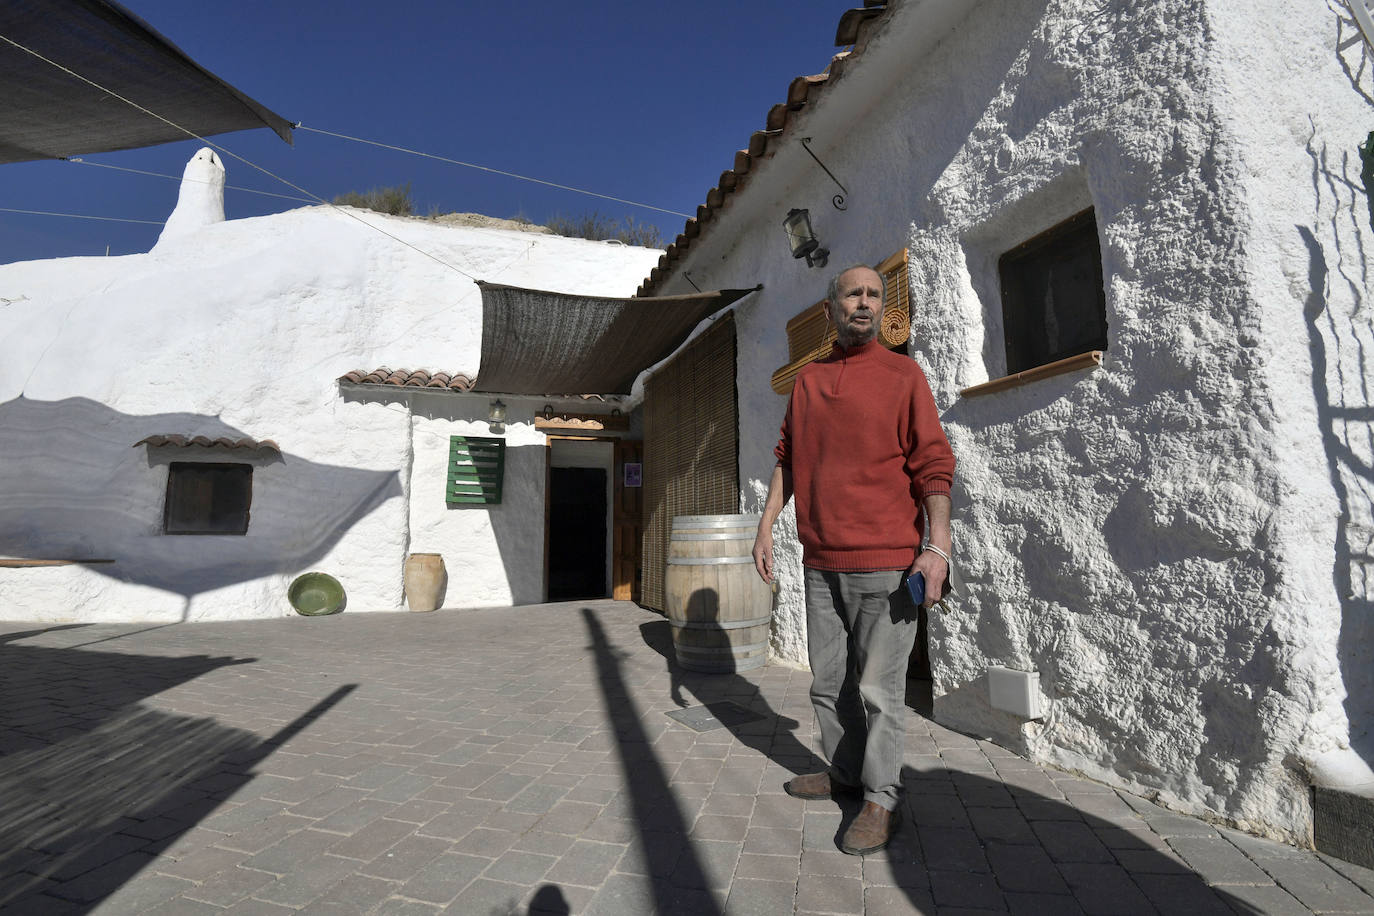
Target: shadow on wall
<point>94,785</point>
<point>73,487</point>
<point>517,524</point>
<point>1345,418</point>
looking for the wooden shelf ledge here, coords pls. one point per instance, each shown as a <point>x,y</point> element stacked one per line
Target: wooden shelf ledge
<point>1090,360</point>
<point>27,563</point>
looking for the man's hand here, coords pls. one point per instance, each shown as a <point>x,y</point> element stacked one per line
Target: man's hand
<point>779,492</point>
<point>928,562</point>
<point>931,565</point>
<point>763,553</point>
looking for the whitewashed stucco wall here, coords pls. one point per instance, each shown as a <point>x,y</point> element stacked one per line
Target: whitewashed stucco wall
<point>241,328</point>
<point>1154,537</point>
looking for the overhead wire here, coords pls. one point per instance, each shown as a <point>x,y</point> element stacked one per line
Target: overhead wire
<point>227,152</point>
<point>106,219</point>
<point>232,187</point>
<point>470,165</point>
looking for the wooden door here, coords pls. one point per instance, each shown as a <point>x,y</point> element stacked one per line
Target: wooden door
<point>628,522</point>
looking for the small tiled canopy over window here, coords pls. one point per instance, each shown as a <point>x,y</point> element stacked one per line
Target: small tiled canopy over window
<point>1053,305</point>
<point>207,498</point>
<point>476,469</point>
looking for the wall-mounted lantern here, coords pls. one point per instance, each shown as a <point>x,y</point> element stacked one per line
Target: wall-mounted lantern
<point>801,238</point>
<point>496,416</point>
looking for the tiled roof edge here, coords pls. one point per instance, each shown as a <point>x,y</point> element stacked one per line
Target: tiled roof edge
<point>856,27</point>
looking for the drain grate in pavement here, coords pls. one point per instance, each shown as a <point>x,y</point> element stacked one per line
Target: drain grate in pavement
<point>714,715</point>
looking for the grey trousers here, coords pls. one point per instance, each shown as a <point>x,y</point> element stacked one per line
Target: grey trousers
<point>860,628</point>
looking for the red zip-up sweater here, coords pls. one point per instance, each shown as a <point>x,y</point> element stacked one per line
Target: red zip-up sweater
<point>863,441</point>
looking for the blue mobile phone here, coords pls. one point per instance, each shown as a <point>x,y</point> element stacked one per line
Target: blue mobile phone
<point>917,586</point>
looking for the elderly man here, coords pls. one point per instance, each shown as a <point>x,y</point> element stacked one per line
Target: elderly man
<point>863,451</point>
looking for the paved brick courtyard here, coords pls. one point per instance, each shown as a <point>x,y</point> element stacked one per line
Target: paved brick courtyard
<point>522,761</point>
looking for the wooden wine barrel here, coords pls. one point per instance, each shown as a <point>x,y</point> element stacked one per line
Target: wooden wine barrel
<point>719,607</point>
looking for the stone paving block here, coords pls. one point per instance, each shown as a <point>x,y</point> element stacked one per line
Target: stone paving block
<point>485,841</point>
<point>1105,889</point>
<point>898,901</point>
<point>1267,899</point>
<point>756,897</point>
<point>403,788</point>
<point>829,861</point>
<point>372,840</point>
<point>585,863</point>
<point>302,885</point>
<point>177,906</point>
<point>1217,861</point>
<point>706,864</point>
<point>830,894</point>
<point>327,803</point>
<point>348,821</point>
<point>138,896</point>
<point>952,848</point>
<point>199,864</point>
<point>1106,807</point>
<point>355,894</point>
<point>249,906</point>
<point>773,841</point>
<point>94,856</point>
<point>263,834</point>
<point>551,844</point>
<point>1025,869</point>
<point>1358,875</point>
<point>406,858</point>
<point>229,886</point>
<point>720,827</point>
<point>776,810</point>
<point>1035,808</point>
<point>1183,894</point>
<point>443,878</point>
<point>1042,905</point>
<point>965,889</point>
<point>1002,825</point>
<point>985,796</point>
<point>1071,841</point>
<point>569,817</point>
<point>288,853</point>
<point>1151,862</point>
<point>611,830</point>
<point>938,811</point>
<point>624,895</point>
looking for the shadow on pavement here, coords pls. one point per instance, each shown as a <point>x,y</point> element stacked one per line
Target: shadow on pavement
<point>993,843</point>
<point>678,880</point>
<point>94,785</point>
<point>774,735</point>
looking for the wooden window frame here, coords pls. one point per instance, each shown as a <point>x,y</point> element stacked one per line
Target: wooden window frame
<point>171,504</point>
<point>1071,238</point>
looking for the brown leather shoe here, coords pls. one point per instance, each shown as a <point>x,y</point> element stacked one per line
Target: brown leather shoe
<point>815,785</point>
<point>870,831</point>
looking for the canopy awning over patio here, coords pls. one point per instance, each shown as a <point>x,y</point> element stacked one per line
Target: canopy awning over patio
<point>62,62</point>
<point>542,343</point>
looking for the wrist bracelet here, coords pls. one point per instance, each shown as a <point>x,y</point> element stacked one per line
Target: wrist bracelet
<point>938,552</point>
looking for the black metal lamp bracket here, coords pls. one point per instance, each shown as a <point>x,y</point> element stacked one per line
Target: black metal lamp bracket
<point>838,199</point>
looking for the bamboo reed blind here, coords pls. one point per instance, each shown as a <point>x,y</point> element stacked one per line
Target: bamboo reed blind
<point>810,333</point>
<point>691,446</point>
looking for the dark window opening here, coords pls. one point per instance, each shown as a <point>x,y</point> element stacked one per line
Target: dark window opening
<point>1053,304</point>
<point>205,498</point>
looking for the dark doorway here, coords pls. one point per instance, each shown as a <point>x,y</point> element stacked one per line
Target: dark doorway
<point>577,533</point>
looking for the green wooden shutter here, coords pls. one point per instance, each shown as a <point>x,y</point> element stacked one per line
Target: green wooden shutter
<point>476,467</point>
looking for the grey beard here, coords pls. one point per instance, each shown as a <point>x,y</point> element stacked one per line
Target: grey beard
<point>849,337</point>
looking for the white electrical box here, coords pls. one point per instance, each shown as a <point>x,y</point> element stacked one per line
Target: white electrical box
<point>1016,692</point>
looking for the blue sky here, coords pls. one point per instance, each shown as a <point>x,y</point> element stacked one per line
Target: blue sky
<point>640,100</point>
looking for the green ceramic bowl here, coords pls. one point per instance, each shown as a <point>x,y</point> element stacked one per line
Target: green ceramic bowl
<point>316,594</point>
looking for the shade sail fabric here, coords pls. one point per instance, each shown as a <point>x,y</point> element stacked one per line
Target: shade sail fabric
<point>46,113</point>
<point>537,342</point>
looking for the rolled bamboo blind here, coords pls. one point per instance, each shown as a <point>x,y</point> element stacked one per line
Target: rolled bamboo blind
<point>810,333</point>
